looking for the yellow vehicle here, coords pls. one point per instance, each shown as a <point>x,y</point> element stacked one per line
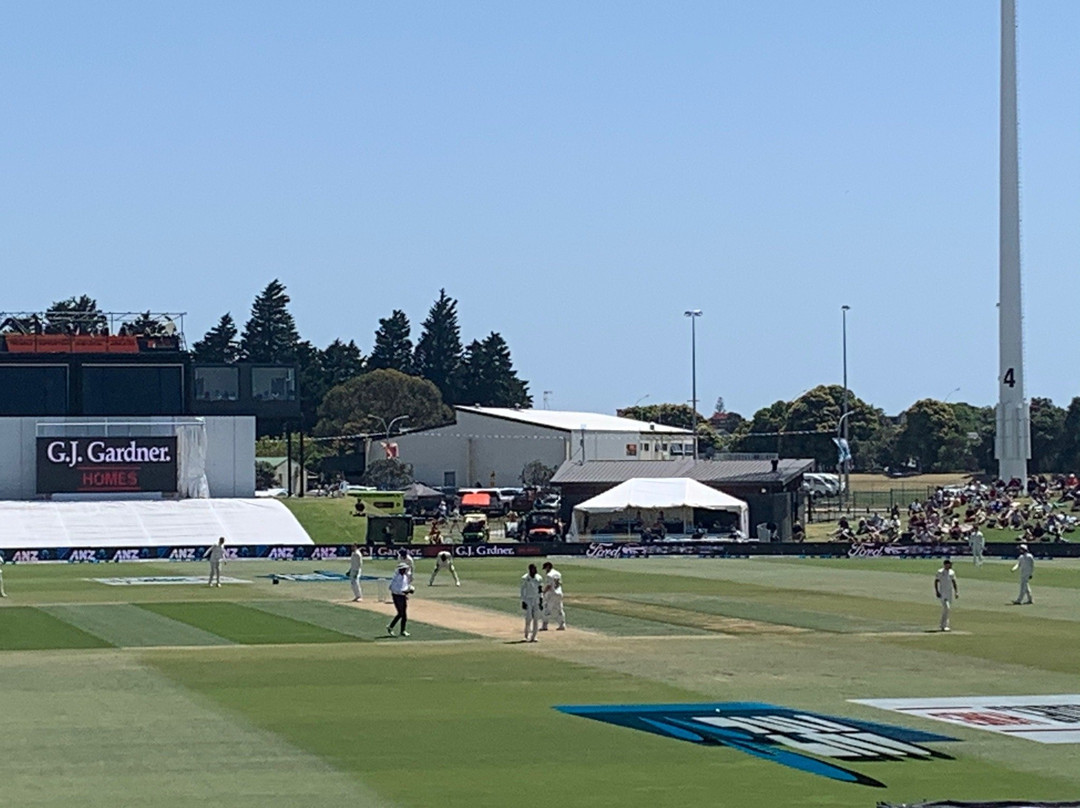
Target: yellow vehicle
<point>378,505</point>
<point>381,503</point>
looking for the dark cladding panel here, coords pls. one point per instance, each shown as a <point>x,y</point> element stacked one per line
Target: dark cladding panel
<point>33,390</point>
<point>132,390</point>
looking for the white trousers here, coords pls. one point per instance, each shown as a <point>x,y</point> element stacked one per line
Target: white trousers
<point>946,609</point>
<point>1025,589</point>
<point>3,594</point>
<point>553,610</point>
<point>438,567</point>
<point>215,573</point>
<point>354,582</point>
<point>532,618</point>
<point>977,554</point>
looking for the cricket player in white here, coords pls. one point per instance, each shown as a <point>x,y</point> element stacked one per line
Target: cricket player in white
<point>356,567</point>
<point>216,555</point>
<point>404,557</point>
<point>444,561</point>
<point>531,586</point>
<point>978,542</point>
<point>946,590</point>
<point>3,594</point>
<point>553,602</point>
<point>1026,564</point>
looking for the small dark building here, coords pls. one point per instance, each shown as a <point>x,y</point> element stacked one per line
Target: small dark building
<point>770,486</point>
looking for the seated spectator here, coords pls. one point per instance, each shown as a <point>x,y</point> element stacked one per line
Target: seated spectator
<point>798,532</point>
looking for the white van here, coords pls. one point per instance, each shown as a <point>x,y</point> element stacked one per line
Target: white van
<point>822,485</point>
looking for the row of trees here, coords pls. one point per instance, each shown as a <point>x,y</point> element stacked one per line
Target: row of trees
<point>341,390</point>
<point>930,435</point>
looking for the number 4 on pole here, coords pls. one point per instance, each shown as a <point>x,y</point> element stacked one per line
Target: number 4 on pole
<point>1009,378</point>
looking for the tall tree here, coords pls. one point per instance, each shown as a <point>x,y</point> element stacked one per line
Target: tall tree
<point>1047,433</point>
<point>931,435</point>
<point>488,375</point>
<point>76,315</point>
<point>438,351</point>
<point>340,362</point>
<point>1070,437</point>
<point>270,334</point>
<point>978,425</point>
<point>219,344</point>
<point>368,403</point>
<point>393,350</point>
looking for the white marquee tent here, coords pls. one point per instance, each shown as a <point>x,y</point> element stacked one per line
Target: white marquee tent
<point>672,495</point>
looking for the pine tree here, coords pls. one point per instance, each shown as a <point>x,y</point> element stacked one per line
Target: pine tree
<point>341,362</point>
<point>489,378</point>
<point>76,315</point>
<point>393,349</point>
<point>438,351</point>
<point>219,344</point>
<point>270,335</point>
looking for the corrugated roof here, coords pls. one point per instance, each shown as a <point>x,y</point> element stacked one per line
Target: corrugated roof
<point>704,471</point>
<point>568,421</point>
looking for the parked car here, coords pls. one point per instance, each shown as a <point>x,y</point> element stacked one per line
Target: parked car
<point>822,485</point>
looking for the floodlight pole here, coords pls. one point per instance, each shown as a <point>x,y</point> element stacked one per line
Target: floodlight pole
<point>1013,439</point>
<point>693,314</point>
<point>845,466</point>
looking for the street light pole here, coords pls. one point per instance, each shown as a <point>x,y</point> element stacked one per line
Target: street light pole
<point>693,314</point>
<point>845,466</point>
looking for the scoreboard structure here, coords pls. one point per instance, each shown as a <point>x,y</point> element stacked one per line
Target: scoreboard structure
<point>112,404</point>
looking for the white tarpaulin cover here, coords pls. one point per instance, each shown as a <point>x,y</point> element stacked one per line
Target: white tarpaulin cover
<point>141,523</point>
<point>666,494</point>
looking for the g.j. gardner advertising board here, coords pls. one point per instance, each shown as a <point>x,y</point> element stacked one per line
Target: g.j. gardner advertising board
<point>105,465</point>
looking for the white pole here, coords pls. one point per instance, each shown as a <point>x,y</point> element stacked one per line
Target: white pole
<point>1012,444</point>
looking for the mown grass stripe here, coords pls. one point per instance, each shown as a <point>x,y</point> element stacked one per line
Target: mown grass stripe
<point>128,626</point>
<point>358,623</point>
<point>245,625</point>
<point>605,622</point>
<point>25,628</point>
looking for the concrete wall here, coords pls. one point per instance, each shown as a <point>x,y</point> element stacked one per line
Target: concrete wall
<point>230,453</point>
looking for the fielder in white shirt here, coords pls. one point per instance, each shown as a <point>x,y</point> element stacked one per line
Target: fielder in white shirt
<point>946,590</point>
<point>216,556</point>
<point>404,557</point>
<point>978,542</point>
<point>531,586</point>
<point>553,600</point>
<point>1026,564</point>
<point>356,568</point>
<point>444,561</point>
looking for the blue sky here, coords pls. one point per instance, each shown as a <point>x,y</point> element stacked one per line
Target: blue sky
<point>575,174</point>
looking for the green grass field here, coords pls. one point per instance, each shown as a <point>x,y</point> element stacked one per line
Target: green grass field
<point>257,693</point>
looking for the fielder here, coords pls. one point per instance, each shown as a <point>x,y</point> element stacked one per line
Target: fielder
<point>216,556</point>
<point>444,561</point>
<point>404,557</point>
<point>553,600</point>
<point>3,594</point>
<point>946,590</point>
<point>1025,562</point>
<point>978,542</point>
<point>531,586</point>
<point>356,567</point>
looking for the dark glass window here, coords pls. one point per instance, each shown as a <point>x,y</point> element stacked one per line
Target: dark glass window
<point>33,390</point>
<point>217,384</point>
<point>133,390</point>
<point>273,384</point>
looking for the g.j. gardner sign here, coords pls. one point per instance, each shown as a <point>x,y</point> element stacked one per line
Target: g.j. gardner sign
<point>103,465</point>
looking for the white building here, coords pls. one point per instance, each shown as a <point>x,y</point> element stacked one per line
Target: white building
<point>490,446</point>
